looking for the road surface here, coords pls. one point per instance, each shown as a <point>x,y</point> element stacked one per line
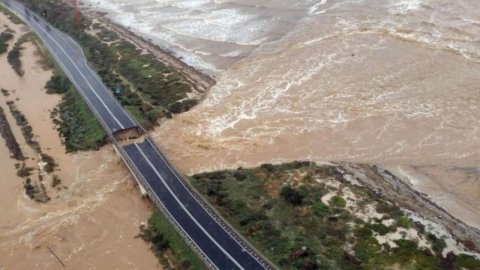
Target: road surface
<point>212,239</point>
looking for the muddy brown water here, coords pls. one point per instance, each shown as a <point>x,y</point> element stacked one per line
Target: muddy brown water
<point>93,223</point>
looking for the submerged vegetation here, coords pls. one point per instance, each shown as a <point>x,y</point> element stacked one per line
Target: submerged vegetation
<point>13,58</point>
<point>15,53</point>
<point>9,137</point>
<point>305,216</point>
<point>145,86</point>
<point>4,38</point>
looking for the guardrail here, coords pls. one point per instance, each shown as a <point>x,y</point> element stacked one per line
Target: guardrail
<point>214,213</point>
<point>139,177</point>
<point>151,194</point>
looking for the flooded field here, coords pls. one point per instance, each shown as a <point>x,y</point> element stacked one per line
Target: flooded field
<point>92,219</point>
<point>380,81</point>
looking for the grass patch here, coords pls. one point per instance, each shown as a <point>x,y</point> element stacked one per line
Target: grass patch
<point>77,124</point>
<point>137,80</point>
<point>163,237</point>
<point>278,208</point>
<point>338,201</point>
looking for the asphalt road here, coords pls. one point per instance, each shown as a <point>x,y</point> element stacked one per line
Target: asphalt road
<point>224,250</point>
<point>70,57</point>
<point>212,238</point>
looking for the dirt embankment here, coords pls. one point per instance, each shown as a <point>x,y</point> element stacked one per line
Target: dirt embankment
<point>387,185</point>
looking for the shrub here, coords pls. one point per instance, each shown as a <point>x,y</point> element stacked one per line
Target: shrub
<point>291,196</point>
<point>404,222</point>
<point>50,163</point>
<point>58,84</point>
<point>338,201</point>
<point>13,58</point>
<point>182,106</point>
<point>268,167</point>
<point>320,209</point>
<point>240,175</point>
<point>56,181</point>
<point>4,37</point>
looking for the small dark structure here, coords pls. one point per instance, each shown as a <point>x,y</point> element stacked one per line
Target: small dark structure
<point>128,133</point>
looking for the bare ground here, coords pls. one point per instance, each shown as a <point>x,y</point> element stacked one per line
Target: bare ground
<point>387,185</point>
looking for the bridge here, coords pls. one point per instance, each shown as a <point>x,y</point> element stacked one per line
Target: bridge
<point>211,238</point>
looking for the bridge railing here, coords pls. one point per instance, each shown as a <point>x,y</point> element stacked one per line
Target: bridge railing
<point>214,213</point>
<point>151,194</point>
<point>136,173</point>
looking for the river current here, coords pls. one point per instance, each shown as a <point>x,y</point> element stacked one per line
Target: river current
<point>392,82</point>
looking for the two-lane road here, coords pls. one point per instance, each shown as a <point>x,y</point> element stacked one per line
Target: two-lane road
<point>192,216</point>
<point>68,55</point>
<point>212,238</point>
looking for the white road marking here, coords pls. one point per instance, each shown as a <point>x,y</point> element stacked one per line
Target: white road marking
<point>186,210</point>
<point>218,220</point>
<point>81,74</point>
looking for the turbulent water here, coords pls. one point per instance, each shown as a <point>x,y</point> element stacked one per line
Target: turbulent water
<point>209,35</point>
<point>393,82</point>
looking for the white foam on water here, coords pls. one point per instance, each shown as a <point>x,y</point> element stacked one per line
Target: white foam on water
<point>405,6</point>
<point>315,9</point>
<point>180,26</point>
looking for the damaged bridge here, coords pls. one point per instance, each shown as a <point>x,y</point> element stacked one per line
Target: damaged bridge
<point>214,241</point>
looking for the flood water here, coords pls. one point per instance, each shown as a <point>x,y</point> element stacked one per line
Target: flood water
<point>374,81</point>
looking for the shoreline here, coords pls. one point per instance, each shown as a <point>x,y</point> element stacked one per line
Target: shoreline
<point>146,44</point>
<point>386,183</point>
<point>206,82</point>
<point>97,202</point>
<point>201,81</point>
<point>439,190</point>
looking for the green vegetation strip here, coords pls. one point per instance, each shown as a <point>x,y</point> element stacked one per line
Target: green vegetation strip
<point>14,59</point>
<point>75,122</point>
<point>279,209</point>
<point>145,86</point>
<point>10,140</point>
<point>163,238</point>
<point>5,36</point>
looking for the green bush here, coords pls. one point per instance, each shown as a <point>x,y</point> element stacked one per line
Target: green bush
<point>291,196</point>
<point>338,201</point>
<point>4,38</point>
<point>320,209</point>
<point>56,181</point>
<point>58,84</point>
<point>13,58</point>
<point>404,222</point>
